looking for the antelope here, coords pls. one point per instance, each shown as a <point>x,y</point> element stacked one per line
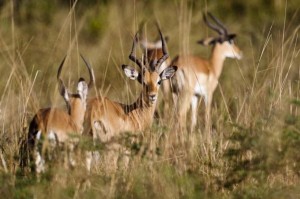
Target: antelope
<point>56,124</point>
<point>153,51</point>
<point>107,119</point>
<point>197,76</point>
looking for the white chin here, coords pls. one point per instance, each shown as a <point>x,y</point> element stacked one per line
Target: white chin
<point>152,102</point>
<point>238,56</point>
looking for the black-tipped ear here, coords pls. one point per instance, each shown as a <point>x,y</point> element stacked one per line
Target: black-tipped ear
<point>166,38</point>
<point>130,72</point>
<point>231,36</point>
<point>201,42</point>
<point>81,79</point>
<point>82,89</point>
<point>207,41</point>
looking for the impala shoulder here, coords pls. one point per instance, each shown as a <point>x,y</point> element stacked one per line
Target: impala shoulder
<point>202,65</point>
<point>94,101</point>
<point>187,61</point>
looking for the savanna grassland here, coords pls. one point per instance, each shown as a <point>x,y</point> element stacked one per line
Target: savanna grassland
<point>250,151</point>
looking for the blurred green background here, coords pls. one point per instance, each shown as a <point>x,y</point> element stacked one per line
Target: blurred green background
<point>254,148</point>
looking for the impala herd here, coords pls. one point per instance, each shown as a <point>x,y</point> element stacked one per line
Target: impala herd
<point>189,78</point>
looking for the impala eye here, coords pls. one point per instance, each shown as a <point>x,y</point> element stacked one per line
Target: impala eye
<point>159,82</point>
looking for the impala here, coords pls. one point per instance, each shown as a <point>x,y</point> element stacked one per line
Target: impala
<point>153,51</point>
<point>56,125</point>
<point>197,76</point>
<point>107,118</point>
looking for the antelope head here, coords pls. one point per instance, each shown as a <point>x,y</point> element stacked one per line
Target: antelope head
<point>150,75</point>
<point>76,102</point>
<point>225,40</point>
<point>145,43</point>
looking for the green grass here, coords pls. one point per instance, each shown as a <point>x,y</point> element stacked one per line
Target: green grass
<point>253,149</point>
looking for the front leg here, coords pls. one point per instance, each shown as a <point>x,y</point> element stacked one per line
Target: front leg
<point>194,106</point>
<point>39,162</point>
<point>210,92</point>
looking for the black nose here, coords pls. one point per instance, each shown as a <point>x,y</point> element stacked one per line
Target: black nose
<point>152,97</point>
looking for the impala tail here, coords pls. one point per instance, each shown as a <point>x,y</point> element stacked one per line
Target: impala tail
<point>27,145</point>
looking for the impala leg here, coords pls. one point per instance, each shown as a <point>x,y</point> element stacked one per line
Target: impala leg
<point>175,101</point>
<point>183,105</point>
<point>182,110</point>
<point>52,143</point>
<point>194,105</point>
<point>208,103</point>
<point>88,160</point>
<point>208,113</point>
<point>92,158</point>
<point>71,151</point>
<point>39,161</point>
<point>166,98</point>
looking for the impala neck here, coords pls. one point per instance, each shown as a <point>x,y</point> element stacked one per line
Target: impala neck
<point>140,104</point>
<point>77,115</point>
<point>217,60</point>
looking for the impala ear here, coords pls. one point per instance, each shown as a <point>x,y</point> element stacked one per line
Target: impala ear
<point>82,88</point>
<point>166,38</point>
<point>207,41</point>
<point>231,37</point>
<point>168,72</point>
<point>130,72</point>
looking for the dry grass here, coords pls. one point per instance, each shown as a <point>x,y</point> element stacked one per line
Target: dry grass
<point>253,148</point>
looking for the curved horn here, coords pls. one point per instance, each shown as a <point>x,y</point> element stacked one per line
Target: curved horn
<point>61,86</point>
<point>145,59</point>
<point>60,67</point>
<point>212,26</point>
<point>131,56</point>
<point>219,23</point>
<point>91,72</point>
<point>164,49</point>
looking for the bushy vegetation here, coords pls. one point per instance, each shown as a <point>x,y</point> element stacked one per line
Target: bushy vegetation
<point>252,148</point>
